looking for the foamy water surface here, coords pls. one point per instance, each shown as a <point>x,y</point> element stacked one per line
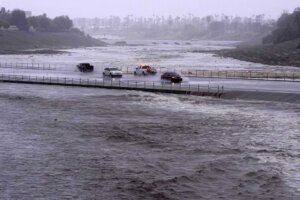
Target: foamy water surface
<point>78,143</point>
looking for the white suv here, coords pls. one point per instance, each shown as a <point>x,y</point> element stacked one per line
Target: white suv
<point>112,72</point>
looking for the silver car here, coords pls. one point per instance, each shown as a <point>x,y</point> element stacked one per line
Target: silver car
<point>112,72</point>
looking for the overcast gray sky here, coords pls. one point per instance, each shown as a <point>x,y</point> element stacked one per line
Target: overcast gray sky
<point>103,8</point>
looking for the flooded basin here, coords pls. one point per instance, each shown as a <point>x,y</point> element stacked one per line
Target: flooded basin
<point>78,143</point>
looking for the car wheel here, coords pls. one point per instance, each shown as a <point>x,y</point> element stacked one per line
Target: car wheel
<point>134,73</point>
<point>144,73</point>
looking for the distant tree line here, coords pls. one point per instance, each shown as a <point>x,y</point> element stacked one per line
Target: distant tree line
<point>287,28</point>
<point>188,27</point>
<point>43,23</point>
<point>39,23</point>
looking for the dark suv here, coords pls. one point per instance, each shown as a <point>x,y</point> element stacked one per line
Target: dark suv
<point>85,67</point>
<point>171,76</point>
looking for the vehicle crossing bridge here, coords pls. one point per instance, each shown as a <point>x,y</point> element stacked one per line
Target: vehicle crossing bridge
<point>161,87</point>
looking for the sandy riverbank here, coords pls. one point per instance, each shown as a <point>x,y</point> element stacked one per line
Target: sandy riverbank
<point>285,54</point>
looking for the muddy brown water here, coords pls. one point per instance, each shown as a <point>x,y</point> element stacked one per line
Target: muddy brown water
<point>78,143</point>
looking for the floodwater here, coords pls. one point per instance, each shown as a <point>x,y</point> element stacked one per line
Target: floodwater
<point>81,143</point>
<point>165,55</point>
<point>66,143</point>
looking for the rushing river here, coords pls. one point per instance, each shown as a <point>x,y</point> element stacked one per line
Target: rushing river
<point>171,55</point>
<point>79,143</point>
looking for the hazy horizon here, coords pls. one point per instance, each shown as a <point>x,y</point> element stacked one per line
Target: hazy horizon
<point>146,8</point>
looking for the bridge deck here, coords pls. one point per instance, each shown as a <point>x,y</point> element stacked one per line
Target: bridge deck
<point>200,90</point>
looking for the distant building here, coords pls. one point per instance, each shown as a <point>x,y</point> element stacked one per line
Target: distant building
<point>32,29</point>
<point>2,11</point>
<point>12,28</point>
<point>28,14</point>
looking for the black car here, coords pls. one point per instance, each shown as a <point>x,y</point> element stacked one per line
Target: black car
<point>171,76</point>
<point>85,67</point>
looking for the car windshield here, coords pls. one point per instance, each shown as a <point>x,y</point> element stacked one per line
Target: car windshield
<point>172,74</point>
<point>113,69</point>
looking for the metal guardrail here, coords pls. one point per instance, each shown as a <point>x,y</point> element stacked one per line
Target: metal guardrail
<point>239,74</point>
<point>113,84</point>
<point>56,66</point>
<point>221,74</point>
<point>33,66</point>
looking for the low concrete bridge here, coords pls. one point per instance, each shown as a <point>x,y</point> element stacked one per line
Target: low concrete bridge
<point>161,87</point>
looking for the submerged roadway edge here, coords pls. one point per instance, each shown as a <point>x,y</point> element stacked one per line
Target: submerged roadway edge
<point>233,95</point>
